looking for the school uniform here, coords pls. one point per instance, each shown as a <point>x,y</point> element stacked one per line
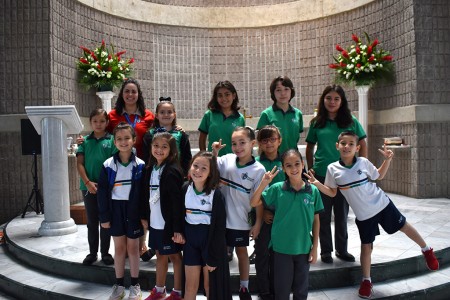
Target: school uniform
<point>238,185</point>
<point>170,203</point>
<point>291,240</point>
<point>205,225</point>
<point>95,152</point>
<point>118,196</point>
<point>141,122</point>
<point>183,146</point>
<point>326,153</point>
<point>290,124</point>
<point>367,200</point>
<point>217,126</point>
<point>263,253</point>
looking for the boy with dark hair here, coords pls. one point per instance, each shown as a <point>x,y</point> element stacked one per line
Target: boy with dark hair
<point>370,204</point>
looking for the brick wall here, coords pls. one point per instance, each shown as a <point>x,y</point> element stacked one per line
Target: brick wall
<point>40,44</point>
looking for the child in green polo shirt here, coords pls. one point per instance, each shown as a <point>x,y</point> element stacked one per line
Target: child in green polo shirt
<point>98,146</point>
<point>221,118</point>
<point>281,114</point>
<point>296,204</point>
<point>269,141</point>
<point>333,117</point>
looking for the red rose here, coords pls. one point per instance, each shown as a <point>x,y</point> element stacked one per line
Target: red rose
<point>355,38</point>
<point>358,50</point>
<point>369,50</point>
<point>358,65</point>
<point>343,64</point>
<point>372,58</point>
<point>339,48</point>
<point>84,61</point>
<point>121,53</point>
<point>85,49</point>
<point>387,57</point>
<point>99,67</point>
<point>131,61</point>
<point>345,54</point>
<point>374,43</point>
<point>93,56</point>
<point>333,66</point>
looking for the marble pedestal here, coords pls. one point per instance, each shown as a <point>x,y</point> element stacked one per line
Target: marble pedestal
<point>53,123</point>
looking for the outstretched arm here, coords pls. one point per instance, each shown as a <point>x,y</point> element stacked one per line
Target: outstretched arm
<point>331,192</point>
<point>267,178</point>
<point>388,155</point>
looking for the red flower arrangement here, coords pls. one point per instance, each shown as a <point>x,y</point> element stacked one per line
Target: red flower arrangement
<point>363,64</point>
<point>102,68</point>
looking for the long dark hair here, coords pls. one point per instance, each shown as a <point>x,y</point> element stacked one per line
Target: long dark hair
<point>212,182</point>
<point>343,116</point>
<point>172,159</point>
<point>214,105</point>
<point>120,103</point>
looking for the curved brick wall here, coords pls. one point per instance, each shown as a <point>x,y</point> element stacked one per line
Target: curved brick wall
<point>218,3</point>
<point>40,46</point>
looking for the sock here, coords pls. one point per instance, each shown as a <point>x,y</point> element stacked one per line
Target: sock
<point>367,278</point>
<point>134,280</point>
<point>176,291</point>
<point>426,248</point>
<point>119,281</point>
<point>244,283</point>
<point>160,289</point>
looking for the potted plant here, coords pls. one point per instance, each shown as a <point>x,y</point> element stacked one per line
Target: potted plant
<point>103,70</point>
<point>363,64</point>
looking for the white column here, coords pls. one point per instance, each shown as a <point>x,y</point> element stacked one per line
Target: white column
<point>363,105</point>
<point>54,123</point>
<point>106,99</point>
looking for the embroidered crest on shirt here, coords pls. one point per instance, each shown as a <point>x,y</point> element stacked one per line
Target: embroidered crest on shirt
<point>359,172</point>
<point>203,202</point>
<point>245,176</point>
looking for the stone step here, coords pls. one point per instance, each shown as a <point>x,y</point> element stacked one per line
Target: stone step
<point>20,281</point>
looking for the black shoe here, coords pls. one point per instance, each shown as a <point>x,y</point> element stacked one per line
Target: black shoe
<point>252,258</point>
<point>244,294</point>
<point>345,256</point>
<point>230,256</point>
<point>326,258</point>
<point>147,255</point>
<point>90,259</point>
<point>107,259</point>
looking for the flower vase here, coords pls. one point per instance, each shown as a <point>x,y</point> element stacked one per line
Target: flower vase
<point>363,105</point>
<point>106,98</point>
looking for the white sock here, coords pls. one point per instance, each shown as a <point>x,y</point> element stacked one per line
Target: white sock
<point>367,278</point>
<point>426,248</point>
<point>160,289</point>
<point>244,283</point>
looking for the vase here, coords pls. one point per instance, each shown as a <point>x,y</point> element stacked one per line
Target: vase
<point>363,105</point>
<point>106,98</point>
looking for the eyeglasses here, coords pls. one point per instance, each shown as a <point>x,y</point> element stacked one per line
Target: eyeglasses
<point>272,140</point>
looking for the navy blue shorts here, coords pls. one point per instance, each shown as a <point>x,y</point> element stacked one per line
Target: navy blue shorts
<point>237,238</point>
<point>120,225</point>
<point>155,241</point>
<point>389,218</point>
<point>195,251</point>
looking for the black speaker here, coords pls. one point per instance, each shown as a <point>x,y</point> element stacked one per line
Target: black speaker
<point>31,140</point>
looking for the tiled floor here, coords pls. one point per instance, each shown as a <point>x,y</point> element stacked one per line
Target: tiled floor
<point>431,217</point>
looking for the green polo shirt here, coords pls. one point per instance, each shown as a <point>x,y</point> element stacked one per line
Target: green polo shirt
<point>294,216</point>
<point>95,152</point>
<point>269,164</point>
<point>217,126</point>
<point>326,139</point>
<point>290,124</point>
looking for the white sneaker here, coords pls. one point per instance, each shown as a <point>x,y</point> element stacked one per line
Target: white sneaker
<point>118,292</point>
<point>135,292</point>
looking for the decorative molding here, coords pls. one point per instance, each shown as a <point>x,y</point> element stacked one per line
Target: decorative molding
<point>224,17</point>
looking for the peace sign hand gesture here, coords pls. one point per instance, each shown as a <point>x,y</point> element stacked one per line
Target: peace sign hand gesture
<point>387,153</point>
<point>268,176</point>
